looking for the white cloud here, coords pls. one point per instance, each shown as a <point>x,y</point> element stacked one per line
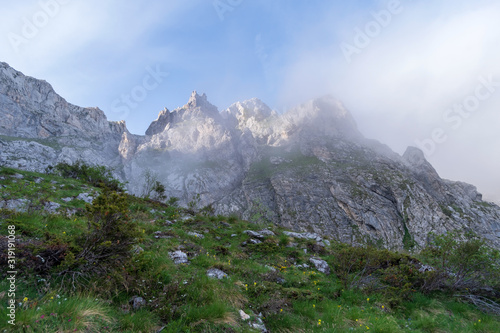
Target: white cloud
<point>81,29</point>
<point>399,86</point>
<point>428,58</point>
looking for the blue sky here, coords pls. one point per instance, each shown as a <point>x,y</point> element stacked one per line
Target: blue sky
<point>413,61</point>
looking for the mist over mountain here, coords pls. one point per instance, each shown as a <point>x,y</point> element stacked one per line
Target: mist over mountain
<point>309,169</point>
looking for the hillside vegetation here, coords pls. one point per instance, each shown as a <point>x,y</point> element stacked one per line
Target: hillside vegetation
<point>91,258</point>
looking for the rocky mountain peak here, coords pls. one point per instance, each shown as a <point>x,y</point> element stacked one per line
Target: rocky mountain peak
<point>32,109</point>
<point>307,169</point>
<point>250,108</point>
<point>197,106</point>
<point>323,116</point>
<point>196,100</point>
<point>158,125</point>
<point>415,158</point>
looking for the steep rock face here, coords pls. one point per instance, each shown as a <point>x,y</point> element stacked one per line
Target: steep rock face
<point>192,152</point>
<point>32,109</point>
<point>309,169</point>
<point>40,128</point>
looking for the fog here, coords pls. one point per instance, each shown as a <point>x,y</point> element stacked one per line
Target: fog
<point>403,87</point>
<point>416,73</point>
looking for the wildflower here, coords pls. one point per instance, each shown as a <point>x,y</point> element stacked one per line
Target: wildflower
<point>368,299</point>
<point>69,320</point>
<point>479,320</point>
<point>51,297</point>
<point>42,316</point>
<point>64,232</point>
<point>367,328</point>
<point>314,305</point>
<point>281,310</point>
<point>383,307</point>
<point>25,299</point>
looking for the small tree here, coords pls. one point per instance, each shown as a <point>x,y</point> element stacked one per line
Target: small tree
<point>153,188</point>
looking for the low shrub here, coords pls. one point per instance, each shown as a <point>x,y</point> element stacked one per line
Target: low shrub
<point>461,261</point>
<point>108,240</point>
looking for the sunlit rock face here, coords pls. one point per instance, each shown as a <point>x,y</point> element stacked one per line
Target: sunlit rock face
<point>52,130</point>
<point>309,169</point>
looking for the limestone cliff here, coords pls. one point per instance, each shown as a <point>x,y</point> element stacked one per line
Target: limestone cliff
<point>309,169</point>
<point>39,128</point>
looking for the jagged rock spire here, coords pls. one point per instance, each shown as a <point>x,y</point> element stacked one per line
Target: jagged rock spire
<point>197,100</point>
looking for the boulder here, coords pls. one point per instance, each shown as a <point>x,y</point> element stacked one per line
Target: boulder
<point>179,257</point>
<point>320,265</point>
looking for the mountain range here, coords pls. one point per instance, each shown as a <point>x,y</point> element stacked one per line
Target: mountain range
<point>309,169</point>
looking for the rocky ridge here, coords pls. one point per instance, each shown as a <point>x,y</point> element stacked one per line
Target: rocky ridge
<point>39,128</point>
<point>309,169</point>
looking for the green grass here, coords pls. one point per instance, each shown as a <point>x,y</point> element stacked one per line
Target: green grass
<point>262,278</point>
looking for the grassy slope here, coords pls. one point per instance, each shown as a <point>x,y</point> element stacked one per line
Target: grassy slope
<point>181,298</point>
